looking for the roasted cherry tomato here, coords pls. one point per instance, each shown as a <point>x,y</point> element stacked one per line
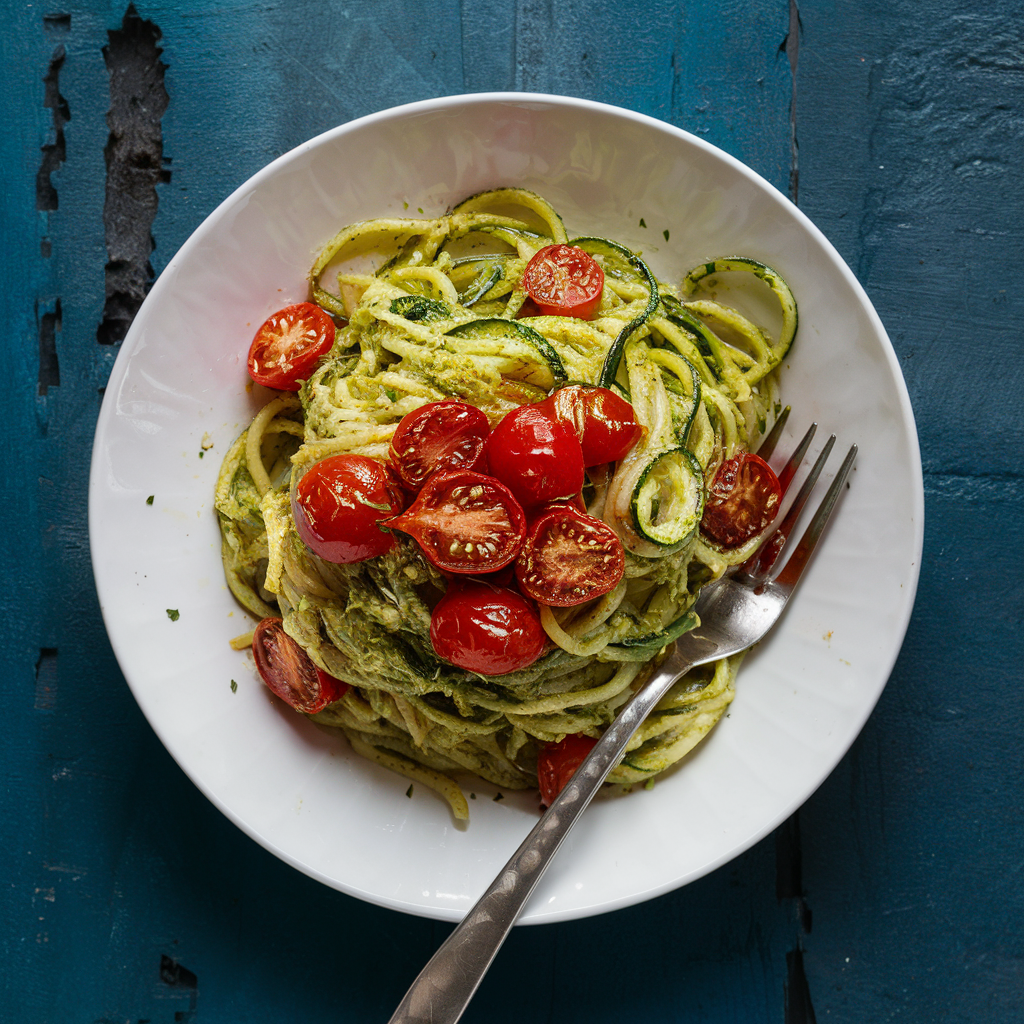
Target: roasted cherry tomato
<point>742,501</point>
<point>604,422</point>
<point>288,345</point>
<point>535,455</point>
<point>338,507</point>
<point>440,435</point>
<point>563,280</point>
<point>288,670</point>
<point>557,763</point>
<point>465,522</point>
<point>486,629</point>
<point>569,557</point>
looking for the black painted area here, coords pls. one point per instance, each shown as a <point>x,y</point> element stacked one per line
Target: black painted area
<point>49,365</point>
<point>135,166</point>
<point>54,152</point>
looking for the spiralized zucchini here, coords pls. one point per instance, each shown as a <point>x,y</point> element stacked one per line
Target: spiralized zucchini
<point>427,309</point>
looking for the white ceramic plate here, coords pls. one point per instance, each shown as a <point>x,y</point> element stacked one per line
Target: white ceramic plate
<point>179,384</point>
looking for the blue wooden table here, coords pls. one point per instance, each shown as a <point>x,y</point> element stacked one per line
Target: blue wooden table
<point>896,892</point>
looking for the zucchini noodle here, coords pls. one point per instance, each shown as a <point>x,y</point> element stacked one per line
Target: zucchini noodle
<point>427,310</point>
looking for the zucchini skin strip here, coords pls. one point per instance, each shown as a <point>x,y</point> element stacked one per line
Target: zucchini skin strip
<point>771,277</point>
<point>592,243</point>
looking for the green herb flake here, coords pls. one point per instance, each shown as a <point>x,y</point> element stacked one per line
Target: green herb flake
<point>419,208</point>
<point>665,233</point>
<point>643,223</point>
<point>234,686</point>
<point>201,453</point>
<point>649,784</point>
<point>472,796</point>
<point>149,500</point>
<point>405,206</point>
<point>173,614</point>
<point>408,792</point>
<point>500,796</point>
<point>392,395</point>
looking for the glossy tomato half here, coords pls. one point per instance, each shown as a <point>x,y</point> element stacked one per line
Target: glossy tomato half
<point>288,670</point>
<point>439,435</point>
<point>557,763</point>
<point>486,629</point>
<point>742,501</point>
<point>569,557</point>
<point>288,346</point>
<point>537,456</point>
<point>339,504</point>
<point>563,280</point>
<point>465,522</point>
<point>604,421</point>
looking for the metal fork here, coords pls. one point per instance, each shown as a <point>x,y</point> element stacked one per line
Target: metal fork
<point>735,611</point>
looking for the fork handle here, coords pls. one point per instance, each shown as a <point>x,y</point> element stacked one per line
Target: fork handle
<point>443,989</point>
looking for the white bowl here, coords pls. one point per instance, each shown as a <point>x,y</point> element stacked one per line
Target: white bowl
<point>179,384</point>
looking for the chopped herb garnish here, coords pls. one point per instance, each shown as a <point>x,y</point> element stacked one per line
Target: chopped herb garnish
<point>420,208</point>
<point>500,796</point>
<point>472,796</point>
<point>173,614</point>
<point>408,792</point>
<point>649,784</point>
<point>642,223</point>
<point>149,500</point>
<point>665,233</point>
<point>234,686</point>
<point>392,395</point>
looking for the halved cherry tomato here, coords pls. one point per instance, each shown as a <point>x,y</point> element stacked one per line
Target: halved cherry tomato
<point>486,629</point>
<point>557,763</point>
<point>338,507</point>
<point>742,501</point>
<point>563,280</point>
<point>465,522</point>
<point>605,423</point>
<point>288,345</point>
<point>535,455</point>
<point>439,435</point>
<point>289,671</point>
<point>569,557</point>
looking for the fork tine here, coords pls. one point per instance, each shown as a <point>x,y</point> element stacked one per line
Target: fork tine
<point>793,464</point>
<point>763,560</point>
<point>771,439</point>
<point>793,569</point>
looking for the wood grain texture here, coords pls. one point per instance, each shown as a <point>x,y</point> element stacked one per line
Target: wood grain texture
<point>895,895</point>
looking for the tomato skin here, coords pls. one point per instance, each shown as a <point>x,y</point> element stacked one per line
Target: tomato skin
<point>339,504</point>
<point>604,422</point>
<point>535,455</point>
<point>569,557</point>
<point>486,629</point>
<point>288,345</point>
<point>742,501</point>
<point>289,671</point>
<point>465,522</point>
<point>563,280</point>
<point>439,435</point>
<point>557,763</point>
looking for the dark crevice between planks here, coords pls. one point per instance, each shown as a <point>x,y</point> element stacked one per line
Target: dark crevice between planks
<point>798,994</point>
<point>791,48</point>
<point>177,976</point>
<point>49,367</point>
<point>46,679</point>
<point>789,886</point>
<point>55,152</point>
<point>135,166</point>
